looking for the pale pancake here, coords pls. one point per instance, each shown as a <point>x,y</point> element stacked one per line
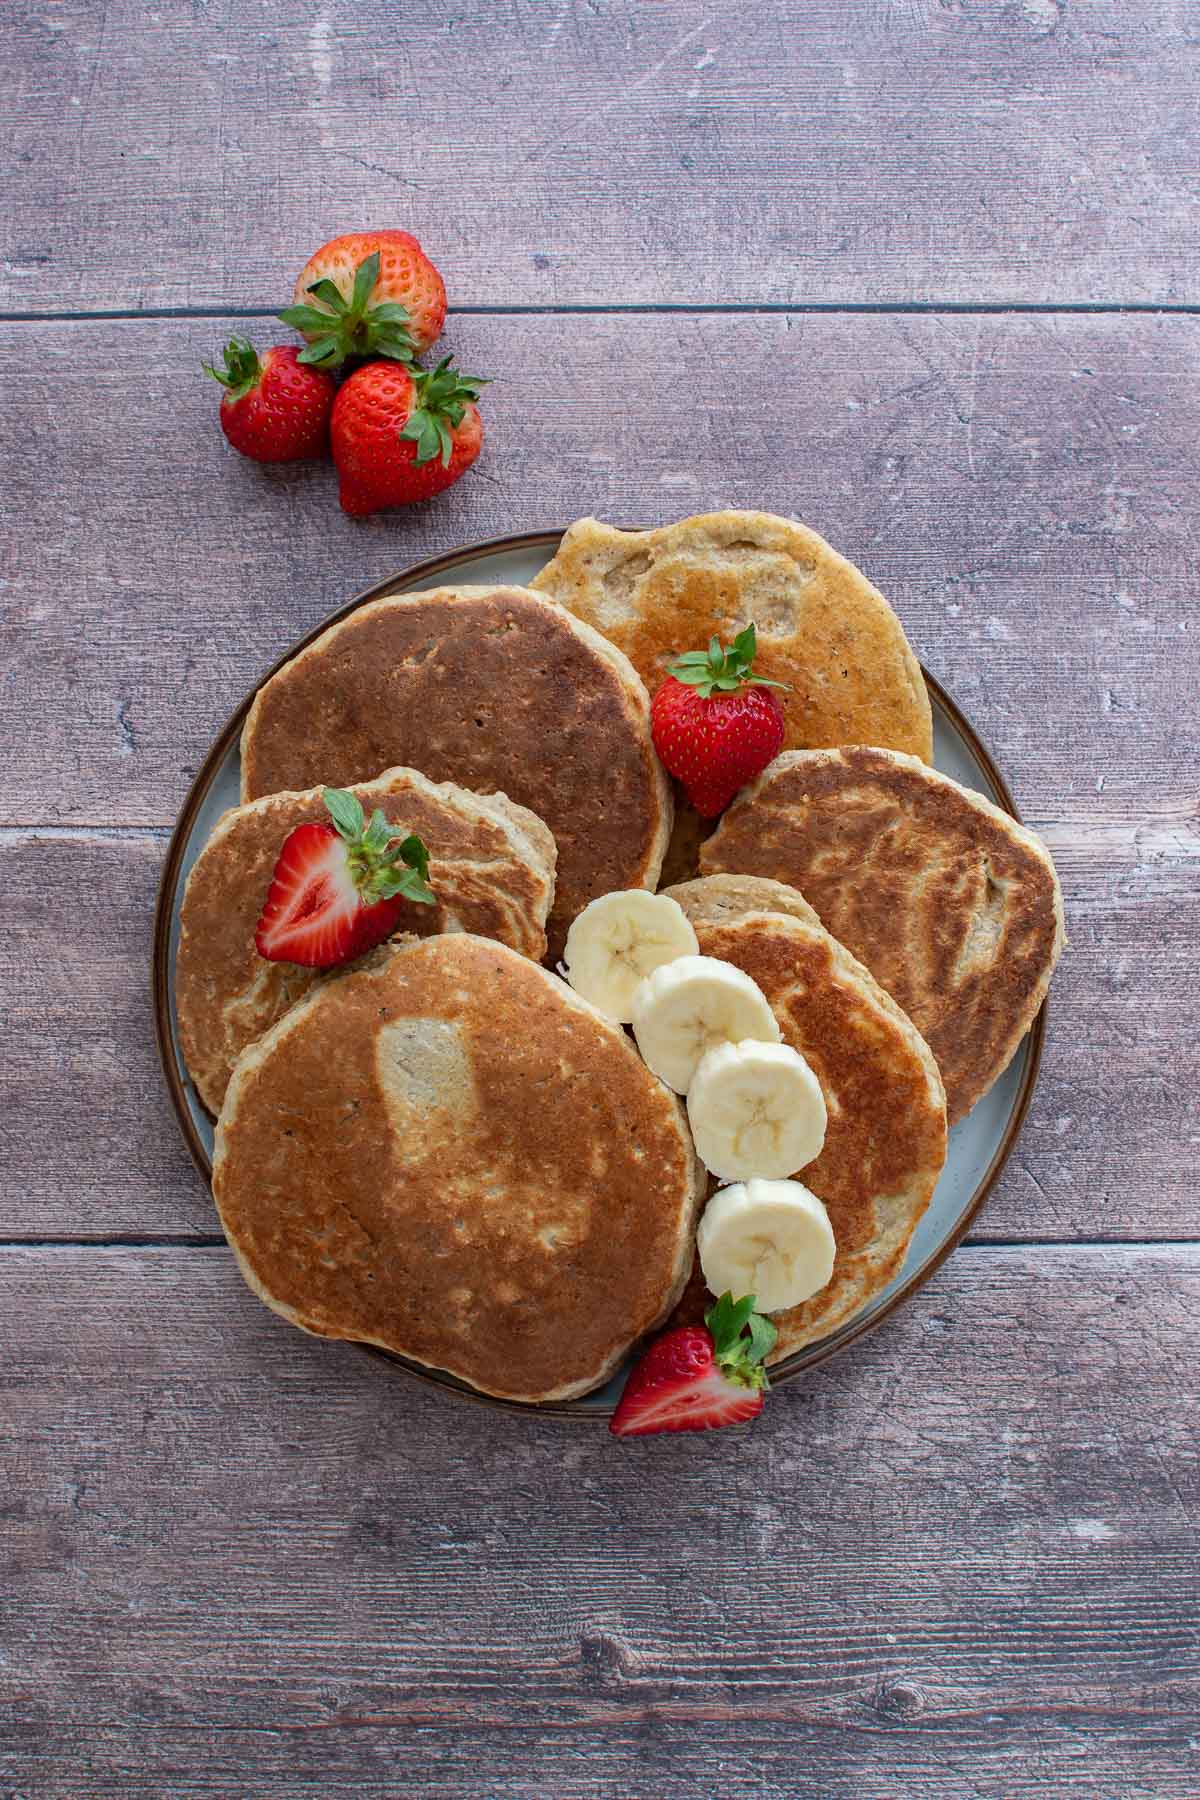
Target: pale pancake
<point>491,867</point>
<point>449,1154</point>
<point>885,1143</point>
<point>822,627</point>
<point>495,688</point>
<point>953,906</point>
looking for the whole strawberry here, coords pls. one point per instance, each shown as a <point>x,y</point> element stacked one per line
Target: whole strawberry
<point>715,726</point>
<point>403,434</point>
<point>369,293</point>
<point>274,409</point>
<point>338,890</point>
<point>698,1377</point>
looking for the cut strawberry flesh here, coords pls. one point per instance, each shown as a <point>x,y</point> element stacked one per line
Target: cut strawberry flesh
<point>701,1402</point>
<point>313,913</point>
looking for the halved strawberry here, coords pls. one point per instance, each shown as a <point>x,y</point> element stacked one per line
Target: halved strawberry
<point>338,890</point>
<point>696,1379</point>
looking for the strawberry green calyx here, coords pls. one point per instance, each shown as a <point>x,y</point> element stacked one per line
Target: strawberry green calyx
<point>720,671</point>
<point>242,370</point>
<point>383,862</point>
<point>339,328</point>
<point>742,1339</point>
<point>443,395</point>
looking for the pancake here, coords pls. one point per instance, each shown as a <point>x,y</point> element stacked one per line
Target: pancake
<point>823,629</point>
<point>885,1143</point>
<point>448,1153</point>
<point>715,899</point>
<point>492,868</point>
<point>953,906</point>
<point>495,688</point>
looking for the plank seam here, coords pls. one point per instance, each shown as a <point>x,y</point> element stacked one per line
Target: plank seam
<point>214,1240</point>
<point>852,308</point>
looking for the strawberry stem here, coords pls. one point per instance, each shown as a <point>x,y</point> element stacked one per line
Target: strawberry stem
<point>742,1339</point>
<point>382,860</point>
<point>720,671</point>
<point>442,398</point>
<point>340,329</point>
<point>242,369</point>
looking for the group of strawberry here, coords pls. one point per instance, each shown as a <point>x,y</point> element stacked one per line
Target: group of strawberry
<point>397,432</point>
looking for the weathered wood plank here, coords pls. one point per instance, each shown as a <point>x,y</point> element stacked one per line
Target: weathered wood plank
<point>959,1562</point>
<point>1020,488</point>
<point>585,151</point>
<point>90,1149</point>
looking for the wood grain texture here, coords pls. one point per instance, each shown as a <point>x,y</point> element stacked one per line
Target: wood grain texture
<point>961,1563</point>
<point>591,151</point>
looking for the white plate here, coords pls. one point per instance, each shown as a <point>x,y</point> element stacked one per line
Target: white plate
<point>979,1145</point>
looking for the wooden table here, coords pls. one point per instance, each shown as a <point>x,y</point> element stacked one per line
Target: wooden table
<point>922,272</point>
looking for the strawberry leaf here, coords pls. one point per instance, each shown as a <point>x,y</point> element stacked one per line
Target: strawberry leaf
<point>366,275</point>
<point>443,395</point>
<point>322,352</point>
<point>720,671</point>
<point>330,295</point>
<point>345,809</point>
<point>763,1336</point>
<point>242,368</point>
<point>304,318</point>
<point>742,1339</point>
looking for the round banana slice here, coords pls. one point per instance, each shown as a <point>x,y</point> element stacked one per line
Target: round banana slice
<point>756,1109</point>
<point>618,940</point>
<point>688,1006</point>
<point>771,1239</point>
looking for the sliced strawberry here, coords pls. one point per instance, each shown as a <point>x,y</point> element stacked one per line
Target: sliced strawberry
<point>699,1377</point>
<point>340,889</point>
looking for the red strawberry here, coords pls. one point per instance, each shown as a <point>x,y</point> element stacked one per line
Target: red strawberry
<point>275,410</point>
<point>370,293</point>
<point>338,890</point>
<point>403,434</point>
<point>693,1379</point>
<point>714,726</point>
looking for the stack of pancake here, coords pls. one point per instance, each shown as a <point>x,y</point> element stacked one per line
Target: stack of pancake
<point>445,1151</point>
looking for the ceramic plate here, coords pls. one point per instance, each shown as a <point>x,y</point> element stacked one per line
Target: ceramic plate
<point>979,1145</point>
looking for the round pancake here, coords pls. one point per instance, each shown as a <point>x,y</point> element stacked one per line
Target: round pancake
<point>495,688</point>
<point>449,1154</point>
<point>823,629</point>
<point>885,1143</point>
<point>953,906</point>
<point>492,868</point>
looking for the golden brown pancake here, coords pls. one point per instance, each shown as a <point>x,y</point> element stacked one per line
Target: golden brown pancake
<point>953,906</point>
<point>822,628</point>
<point>716,899</point>
<point>885,1143</point>
<point>448,1153</point>
<point>491,866</point>
<point>494,688</point>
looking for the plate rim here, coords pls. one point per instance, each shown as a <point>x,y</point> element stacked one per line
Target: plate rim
<point>431,568</point>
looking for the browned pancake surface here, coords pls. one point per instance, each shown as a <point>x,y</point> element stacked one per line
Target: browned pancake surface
<point>823,628</point>
<point>954,908</point>
<point>494,688</point>
<point>885,1143</point>
<point>446,1153</point>
<point>492,868</point>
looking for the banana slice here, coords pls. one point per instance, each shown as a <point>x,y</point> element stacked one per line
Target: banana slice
<point>691,1004</point>
<point>755,1109</point>
<point>618,940</point>
<point>771,1239</point>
